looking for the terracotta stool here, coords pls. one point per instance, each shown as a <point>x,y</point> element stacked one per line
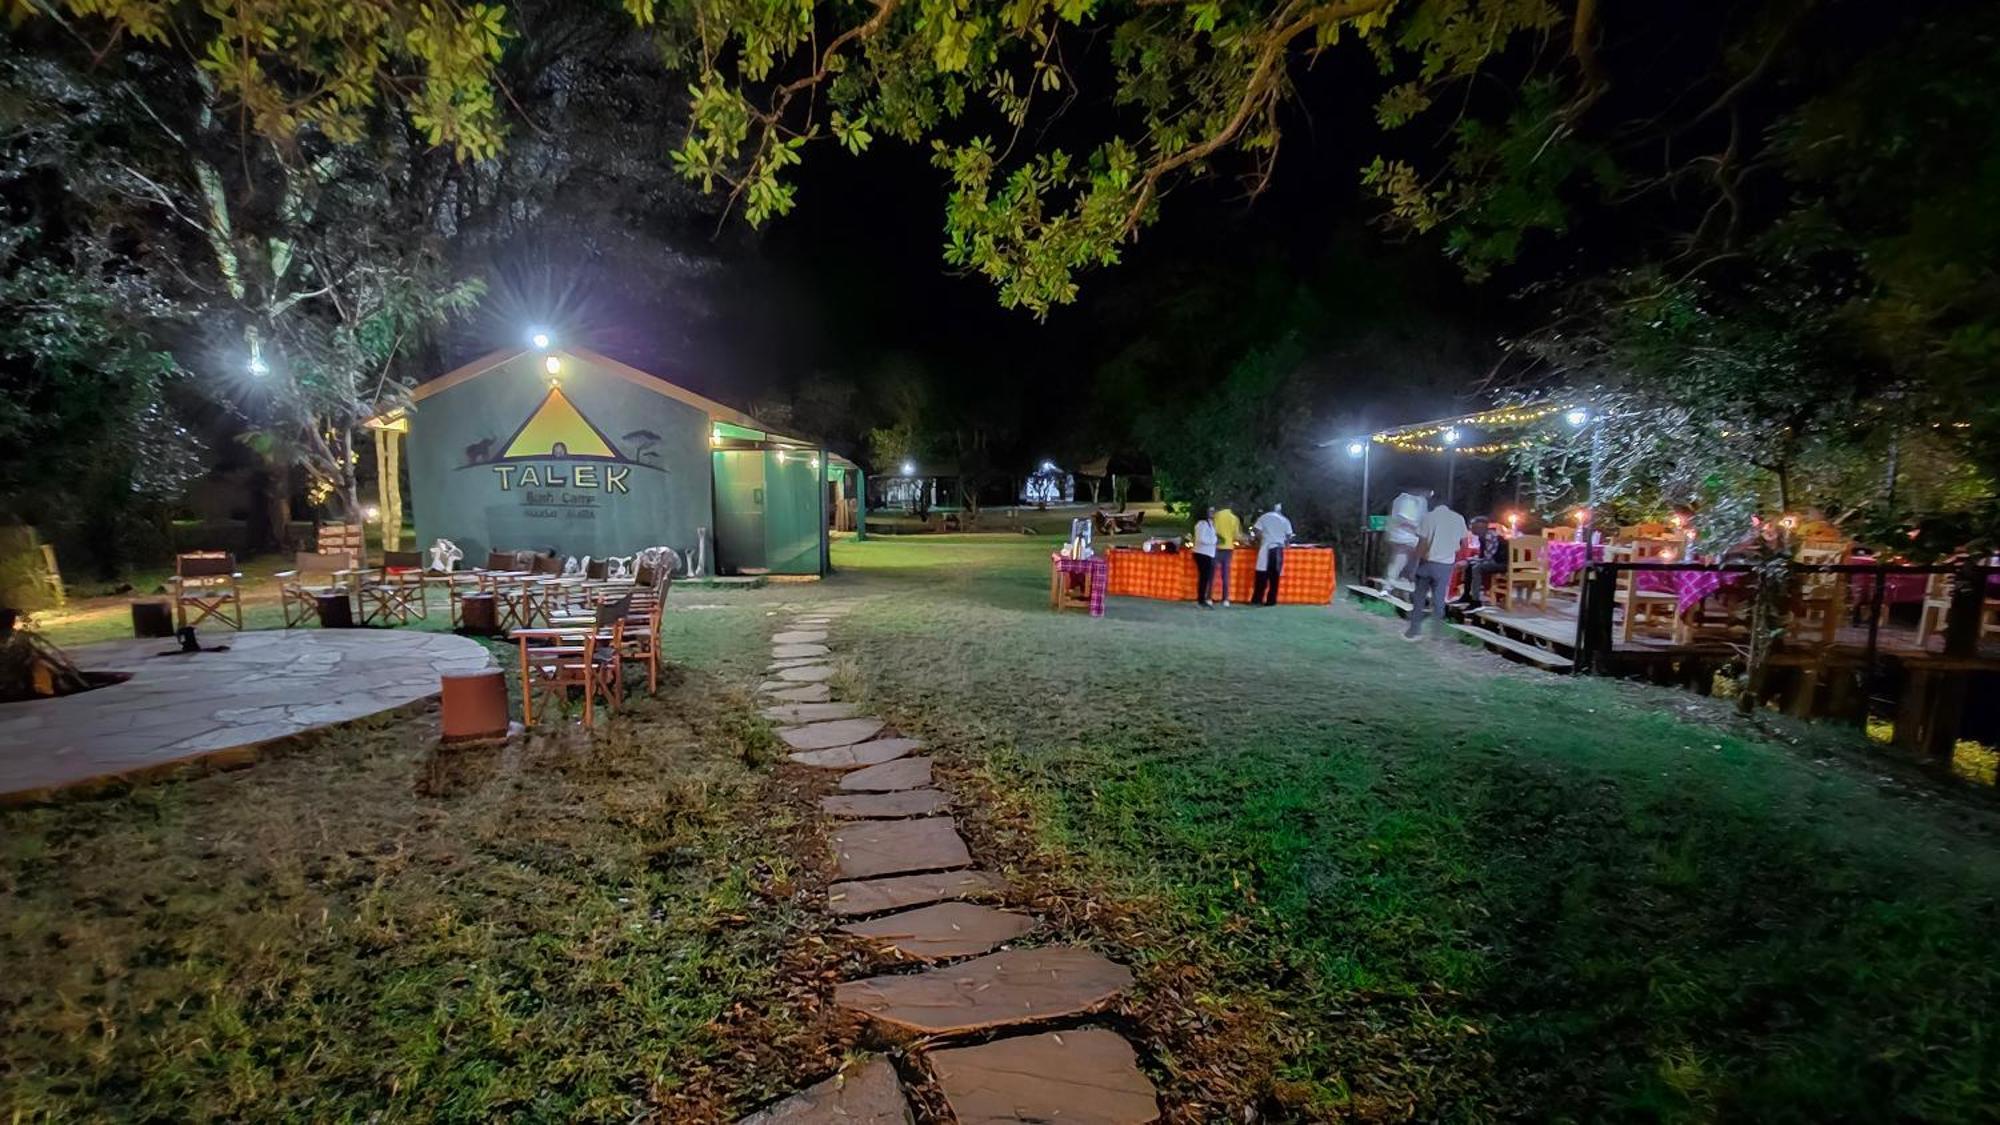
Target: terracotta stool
<point>475,706</point>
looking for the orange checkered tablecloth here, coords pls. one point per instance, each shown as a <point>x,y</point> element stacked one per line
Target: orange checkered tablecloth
<point>1307,577</point>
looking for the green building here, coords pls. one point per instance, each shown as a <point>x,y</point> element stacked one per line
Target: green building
<point>568,451</point>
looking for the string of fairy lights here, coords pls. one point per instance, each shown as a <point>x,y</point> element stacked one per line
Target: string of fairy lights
<point>1448,435</point>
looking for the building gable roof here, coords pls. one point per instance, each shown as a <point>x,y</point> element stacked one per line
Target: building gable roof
<point>494,360</point>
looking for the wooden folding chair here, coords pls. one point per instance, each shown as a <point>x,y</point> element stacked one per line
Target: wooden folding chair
<point>592,658</point>
<point>394,592</point>
<point>642,633</point>
<point>1818,601</point>
<point>1651,607</point>
<point>208,583</point>
<point>312,576</point>
<point>1527,569</point>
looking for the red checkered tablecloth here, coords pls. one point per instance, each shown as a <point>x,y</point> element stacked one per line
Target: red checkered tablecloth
<point>1096,572</point>
<point>1307,577</point>
<point>1689,587</point>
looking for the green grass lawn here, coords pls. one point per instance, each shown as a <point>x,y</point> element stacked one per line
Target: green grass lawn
<point>373,929</point>
<point>1447,889</point>
<point>1360,880</point>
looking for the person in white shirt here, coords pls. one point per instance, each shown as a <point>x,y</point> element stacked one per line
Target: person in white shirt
<point>1406,511</point>
<point>1273,532</point>
<point>1204,558</point>
<point>1438,539</point>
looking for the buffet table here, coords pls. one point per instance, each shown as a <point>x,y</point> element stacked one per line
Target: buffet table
<point>1306,579</point>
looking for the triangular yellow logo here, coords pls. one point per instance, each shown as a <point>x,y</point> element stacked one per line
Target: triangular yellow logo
<point>558,429</point>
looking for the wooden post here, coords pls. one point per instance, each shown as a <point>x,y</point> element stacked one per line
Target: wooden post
<point>1961,620</point>
<point>1593,618</point>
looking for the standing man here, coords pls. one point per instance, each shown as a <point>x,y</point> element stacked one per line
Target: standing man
<point>1438,539</point>
<point>1273,532</point>
<point>1204,558</point>
<point>1228,530</point>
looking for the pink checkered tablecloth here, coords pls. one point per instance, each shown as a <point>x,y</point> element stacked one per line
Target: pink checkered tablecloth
<point>1566,560</point>
<point>1097,575</point>
<point>1689,587</point>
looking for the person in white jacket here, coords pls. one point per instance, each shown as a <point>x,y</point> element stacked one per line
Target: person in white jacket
<point>1204,558</point>
<point>1406,512</point>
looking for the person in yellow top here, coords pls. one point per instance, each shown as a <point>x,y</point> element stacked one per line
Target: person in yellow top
<point>1228,529</point>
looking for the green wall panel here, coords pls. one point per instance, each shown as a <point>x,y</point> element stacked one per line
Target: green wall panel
<point>605,467</point>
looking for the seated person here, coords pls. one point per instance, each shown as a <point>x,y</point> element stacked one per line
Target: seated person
<point>1489,557</point>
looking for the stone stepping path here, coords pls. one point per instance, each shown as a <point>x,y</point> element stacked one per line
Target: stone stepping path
<point>860,754</point>
<point>873,896</point>
<point>904,773</point>
<point>838,732</point>
<point>1087,1077</point>
<point>867,1095</point>
<point>810,712</point>
<point>948,929</point>
<point>807,674</point>
<point>884,806</point>
<point>997,990</point>
<point>904,872</point>
<point>796,693</point>
<point>891,847</point>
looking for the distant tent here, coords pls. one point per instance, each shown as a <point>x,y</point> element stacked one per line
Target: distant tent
<point>558,429</point>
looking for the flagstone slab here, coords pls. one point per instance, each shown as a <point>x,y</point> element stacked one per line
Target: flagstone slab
<point>869,806</point>
<point>221,707</point>
<point>792,652</point>
<point>799,637</point>
<point>904,773</point>
<point>948,929</point>
<point>794,662</point>
<point>860,754</point>
<point>872,896</point>
<point>1085,1077</point>
<point>997,990</point>
<point>866,1095</point>
<point>811,712</point>
<point>807,674</point>
<point>868,848</point>
<point>838,732</point>
<point>783,692</point>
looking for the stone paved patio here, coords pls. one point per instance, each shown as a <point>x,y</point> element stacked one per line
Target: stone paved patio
<point>217,707</point>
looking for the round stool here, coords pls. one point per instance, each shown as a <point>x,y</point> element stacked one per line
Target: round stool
<point>475,706</point>
<point>335,611</point>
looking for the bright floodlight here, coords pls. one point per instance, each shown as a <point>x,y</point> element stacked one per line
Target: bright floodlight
<point>1451,435</point>
<point>909,469</point>
<point>1577,417</point>
<point>552,365</point>
<point>373,512</point>
<point>1048,466</point>
<point>1356,448</point>
<point>258,367</point>
<point>539,337</point>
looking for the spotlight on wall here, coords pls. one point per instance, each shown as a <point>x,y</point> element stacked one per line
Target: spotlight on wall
<point>552,365</point>
<point>540,338</point>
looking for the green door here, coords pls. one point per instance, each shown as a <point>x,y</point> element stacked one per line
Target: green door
<point>792,512</point>
<point>739,511</point>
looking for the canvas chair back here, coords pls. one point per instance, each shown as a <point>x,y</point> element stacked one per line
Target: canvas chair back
<point>596,570</point>
<point>500,560</point>
<point>205,564</point>
<point>403,560</point>
<point>610,613</point>
<point>548,564</point>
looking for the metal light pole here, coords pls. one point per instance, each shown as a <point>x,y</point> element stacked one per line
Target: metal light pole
<point>1360,448</point>
<point>1450,465</point>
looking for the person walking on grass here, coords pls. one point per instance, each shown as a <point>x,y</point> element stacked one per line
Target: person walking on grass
<point>1406,511</point>
<point>1228,530</point>
<point>1273,531</point>
<point>1204,558</point>
<point>1438,539</point>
